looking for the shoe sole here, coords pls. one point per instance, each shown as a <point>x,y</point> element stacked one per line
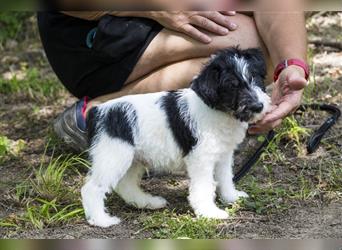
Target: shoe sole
<point>67,134</point>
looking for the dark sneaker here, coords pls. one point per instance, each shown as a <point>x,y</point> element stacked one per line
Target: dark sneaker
<point>71,127</point>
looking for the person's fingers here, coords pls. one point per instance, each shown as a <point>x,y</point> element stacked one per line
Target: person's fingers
<point>262,122</point>
<point>261,129</point>
<point>294,76</point>
<point>220,19</point>
<point>195,33</point>
<point>208,25</point>
<point>296,81</point>
<point>228,13</point>
<point>283,109</point>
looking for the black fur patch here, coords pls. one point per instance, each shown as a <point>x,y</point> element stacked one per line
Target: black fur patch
<point>182,133</point>
<point>92,119</point>
<point>119,124</point>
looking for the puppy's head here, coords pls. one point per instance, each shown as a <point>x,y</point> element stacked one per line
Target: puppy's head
<point>232,82</point>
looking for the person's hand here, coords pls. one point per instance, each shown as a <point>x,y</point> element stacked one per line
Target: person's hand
<point>192,23</point>
<point>286,98</point>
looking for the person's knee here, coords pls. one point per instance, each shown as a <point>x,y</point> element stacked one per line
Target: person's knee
<point>248,32</point>
<point>245,36</point>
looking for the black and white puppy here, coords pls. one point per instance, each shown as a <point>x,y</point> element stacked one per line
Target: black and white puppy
<point>196,128</point>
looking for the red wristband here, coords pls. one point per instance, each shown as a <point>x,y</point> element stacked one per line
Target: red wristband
<point>284,64</point>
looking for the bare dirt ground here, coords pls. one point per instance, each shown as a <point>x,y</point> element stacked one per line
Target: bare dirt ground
<point>292,194</point>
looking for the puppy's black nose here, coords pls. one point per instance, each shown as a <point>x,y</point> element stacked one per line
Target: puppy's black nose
<point>257,107</point>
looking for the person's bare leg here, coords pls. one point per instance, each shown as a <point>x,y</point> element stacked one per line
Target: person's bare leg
<point>170,46</point>
<point>170,77</point>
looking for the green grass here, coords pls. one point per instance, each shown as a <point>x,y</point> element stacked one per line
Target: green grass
<point>57,195</point>
<point>264,198</point>
<point>6,223</point>
<point>306,184</point>
<point>49,182</point>
<point>274,196</point>
<point>12,23</point>
<point>334,176</point>
<point>33,85</point>
<point>290,135</point>
<point>10,148</point>
<point>169,225</point>
<point>42,213</point>
<point>51,197</point>
<point>291,131</point>
<point>4,146</point>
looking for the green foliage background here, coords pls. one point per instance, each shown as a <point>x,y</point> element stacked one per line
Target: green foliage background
<point>12,24</point>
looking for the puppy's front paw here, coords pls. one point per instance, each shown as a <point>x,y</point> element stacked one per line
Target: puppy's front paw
<point>156,202</point>
<point>214,213</point>
<point>151,202</point>
<point>104,221</point>
<point>234,196</point>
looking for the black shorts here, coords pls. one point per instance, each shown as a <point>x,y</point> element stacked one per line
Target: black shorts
<point>103,66</point>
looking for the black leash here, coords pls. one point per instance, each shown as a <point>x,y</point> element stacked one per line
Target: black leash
<point>313,141</point>
<point>316,138</point>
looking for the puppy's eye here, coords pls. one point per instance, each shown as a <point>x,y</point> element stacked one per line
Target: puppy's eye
<point>235,83</point>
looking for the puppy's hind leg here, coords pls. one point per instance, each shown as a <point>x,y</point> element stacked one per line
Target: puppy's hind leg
<point>111,158</point>
<point>129,189</point>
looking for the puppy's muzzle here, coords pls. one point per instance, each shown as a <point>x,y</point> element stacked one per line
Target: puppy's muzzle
<point>257,107</point>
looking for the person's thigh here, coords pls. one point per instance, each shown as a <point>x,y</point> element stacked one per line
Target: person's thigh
<point>170,46</point>
<point>171,77</point>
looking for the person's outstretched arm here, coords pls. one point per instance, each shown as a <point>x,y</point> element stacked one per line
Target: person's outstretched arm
<point>284,35</point>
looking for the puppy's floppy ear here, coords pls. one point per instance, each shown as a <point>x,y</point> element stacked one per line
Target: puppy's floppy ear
<point>256,61</point>
<point>207,83</point>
